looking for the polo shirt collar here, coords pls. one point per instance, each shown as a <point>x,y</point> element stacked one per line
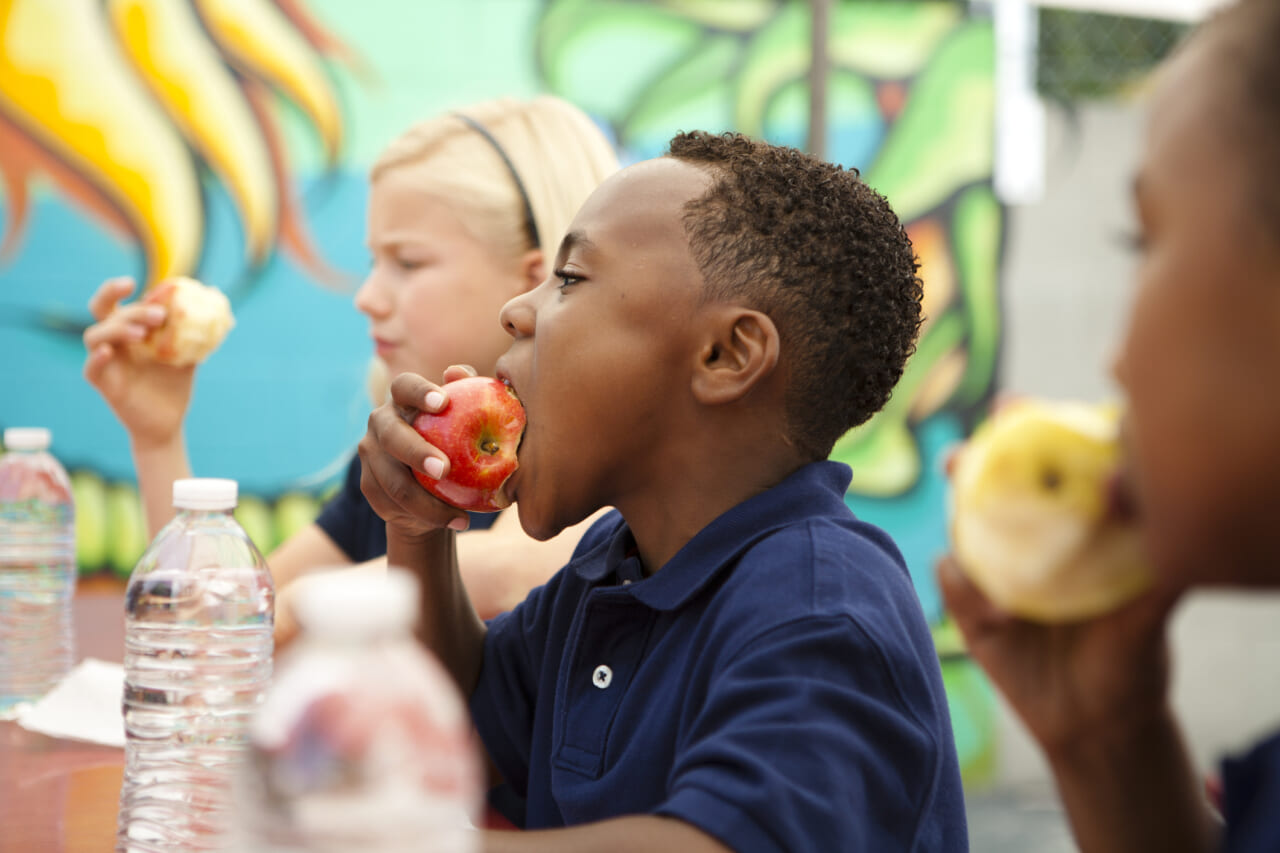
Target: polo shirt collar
<point>815,490</point>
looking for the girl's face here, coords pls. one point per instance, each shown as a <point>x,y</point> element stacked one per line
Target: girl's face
<point>435,290</point>
<point>1201,359</point>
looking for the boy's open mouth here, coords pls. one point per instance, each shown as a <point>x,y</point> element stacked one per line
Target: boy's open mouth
<point>506,380</point>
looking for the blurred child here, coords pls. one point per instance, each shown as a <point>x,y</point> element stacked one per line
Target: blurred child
<point>464,210</point>
<point>1199,366</point>
<point>730,660</point>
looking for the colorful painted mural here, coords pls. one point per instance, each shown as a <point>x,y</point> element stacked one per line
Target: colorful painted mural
<point>123,105</point>
<point>229,139</point>
<point>911,102</point>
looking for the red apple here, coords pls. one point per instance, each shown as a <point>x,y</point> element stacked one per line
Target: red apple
<point>479,430</point>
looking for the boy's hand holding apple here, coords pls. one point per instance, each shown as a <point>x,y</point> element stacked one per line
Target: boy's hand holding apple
<point>479,429</point>
<point>411,482</point>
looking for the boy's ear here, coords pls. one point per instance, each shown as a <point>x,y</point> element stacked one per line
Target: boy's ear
<point>533,268</point>
<point>740,354</point>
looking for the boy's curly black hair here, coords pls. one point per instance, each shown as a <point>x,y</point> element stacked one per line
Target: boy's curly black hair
<point>823,254</point>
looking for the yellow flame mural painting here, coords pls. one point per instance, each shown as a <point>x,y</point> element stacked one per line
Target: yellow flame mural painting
<point>121,104</point>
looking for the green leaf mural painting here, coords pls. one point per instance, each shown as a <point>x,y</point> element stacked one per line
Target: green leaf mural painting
<point>911,101</point>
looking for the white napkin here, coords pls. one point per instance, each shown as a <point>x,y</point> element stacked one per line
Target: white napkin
<point>85,705</point>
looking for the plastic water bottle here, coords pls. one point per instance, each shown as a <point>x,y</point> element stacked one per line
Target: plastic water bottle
<point>198,646</point>
<point>363,742</point>
<point>37,568</point>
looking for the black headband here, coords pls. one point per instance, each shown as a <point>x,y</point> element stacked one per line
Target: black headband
<point>530,225</point>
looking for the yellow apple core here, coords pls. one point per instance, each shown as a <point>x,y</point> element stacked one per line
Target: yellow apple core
<point>1031,514</point>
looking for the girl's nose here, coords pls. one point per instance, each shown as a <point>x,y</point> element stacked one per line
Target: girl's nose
<point>371,299</point>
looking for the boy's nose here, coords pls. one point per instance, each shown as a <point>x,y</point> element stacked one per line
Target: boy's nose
<point>517,315</point>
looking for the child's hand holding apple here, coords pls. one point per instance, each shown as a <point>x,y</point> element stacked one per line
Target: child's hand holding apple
<point>1048,584</point>
<point>419,486</point>
<point>149,397</point>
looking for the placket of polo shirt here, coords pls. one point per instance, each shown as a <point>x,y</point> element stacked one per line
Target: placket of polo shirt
<point>613,632</point>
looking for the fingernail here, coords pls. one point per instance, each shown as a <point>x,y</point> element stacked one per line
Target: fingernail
<point>154,312</point>
<point>460,524</point>
<point>434,468</point>
<point>137,333</point>
<point>435,400</point>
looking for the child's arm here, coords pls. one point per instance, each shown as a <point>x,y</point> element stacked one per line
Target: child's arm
<point>308,549</point>
<point>1133,788</point>
<point>148,398</point>
<point>420,528</point>
<point>633,834</point>
<point>1095,696</point>
<point>157,466</point>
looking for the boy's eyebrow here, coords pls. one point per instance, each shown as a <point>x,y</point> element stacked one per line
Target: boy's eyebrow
<point>574,240</point>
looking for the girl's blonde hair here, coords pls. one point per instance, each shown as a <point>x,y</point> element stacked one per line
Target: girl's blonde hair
<point>559,154</point>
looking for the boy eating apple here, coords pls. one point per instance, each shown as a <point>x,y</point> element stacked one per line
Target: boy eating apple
<point>730,660</point>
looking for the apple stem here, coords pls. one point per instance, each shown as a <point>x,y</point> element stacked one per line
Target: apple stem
<point>489,446</point>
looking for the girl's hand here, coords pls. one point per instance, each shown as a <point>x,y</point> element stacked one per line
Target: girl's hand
<point>149,399</point>
<point>392,450</point>
<point>1068,682</point>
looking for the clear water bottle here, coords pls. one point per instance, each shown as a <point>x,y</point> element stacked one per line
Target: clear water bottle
<point>37,568</point>
<point>198,645</point>
<point>364,742</point>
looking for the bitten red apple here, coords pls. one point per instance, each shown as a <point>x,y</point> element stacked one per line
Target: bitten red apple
<point>479,430</point>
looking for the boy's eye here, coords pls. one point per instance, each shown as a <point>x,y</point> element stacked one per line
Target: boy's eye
<point>566,280</point>
<point>409,264</point>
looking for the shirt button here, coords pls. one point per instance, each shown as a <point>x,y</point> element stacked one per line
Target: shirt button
<point>626,581</point>
<point>602,677</point>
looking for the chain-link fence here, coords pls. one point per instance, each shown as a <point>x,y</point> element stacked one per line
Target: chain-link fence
<point>1084,55</point>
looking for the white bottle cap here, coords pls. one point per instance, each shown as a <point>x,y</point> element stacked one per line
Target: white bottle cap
<point>356,602</point>
<point>204,493</point>
<point>27,438</point>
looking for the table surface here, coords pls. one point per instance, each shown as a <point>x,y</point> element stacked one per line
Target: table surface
<point>60,796</point>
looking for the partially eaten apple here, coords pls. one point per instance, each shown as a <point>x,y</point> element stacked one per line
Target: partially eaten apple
<point>1035,523</point>
<point>197,318</point>
<point>479,430</point>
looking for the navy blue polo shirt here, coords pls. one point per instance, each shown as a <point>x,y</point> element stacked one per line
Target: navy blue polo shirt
<point>774,684</point>
<point>1251,790</point>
